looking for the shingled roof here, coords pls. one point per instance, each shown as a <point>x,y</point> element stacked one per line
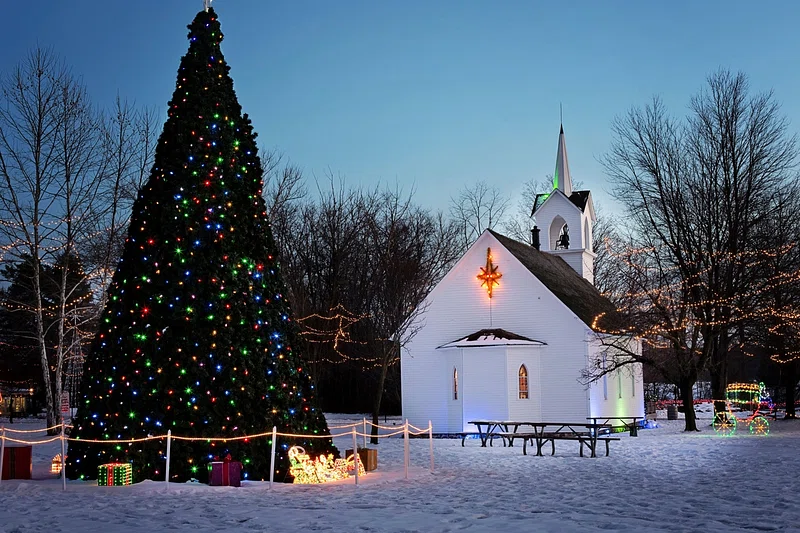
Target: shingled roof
<point>579,198</point>
<point>492,337</point>
<point>580,296</point>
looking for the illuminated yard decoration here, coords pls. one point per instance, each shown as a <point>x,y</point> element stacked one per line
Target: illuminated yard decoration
<point>114,474</point>
<point>320,470</point>
<point>744,397</point>
<point>55,466</point>
<point>489,274</point>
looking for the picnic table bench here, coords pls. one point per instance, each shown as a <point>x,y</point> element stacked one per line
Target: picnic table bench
<point>630,422</point>
<point>488,437</point>
<point>585,439</point>
<point>587,433</point>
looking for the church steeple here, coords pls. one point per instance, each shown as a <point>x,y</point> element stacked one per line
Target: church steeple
<point>562,180</point>
<point>564,221</point>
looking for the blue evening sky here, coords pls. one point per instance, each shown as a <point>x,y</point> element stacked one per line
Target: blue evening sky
<point>429,94</point>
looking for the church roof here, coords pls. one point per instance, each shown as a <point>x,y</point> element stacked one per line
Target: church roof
<point>580,296</point>
<point>492,337</point>
<point>579,198</point>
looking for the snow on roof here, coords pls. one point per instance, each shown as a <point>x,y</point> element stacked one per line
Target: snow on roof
<point>492,337</point>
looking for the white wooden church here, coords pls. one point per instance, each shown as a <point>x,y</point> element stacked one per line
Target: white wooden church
<point>508,331</point>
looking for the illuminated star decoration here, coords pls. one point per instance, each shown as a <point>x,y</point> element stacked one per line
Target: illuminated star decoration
<point>489,274</point>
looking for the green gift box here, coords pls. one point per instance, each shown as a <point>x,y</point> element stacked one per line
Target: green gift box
<point>114,474</point>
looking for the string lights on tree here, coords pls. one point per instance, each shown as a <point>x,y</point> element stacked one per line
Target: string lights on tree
<point>197,336</point>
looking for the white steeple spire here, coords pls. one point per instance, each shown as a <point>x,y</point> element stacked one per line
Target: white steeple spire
<point>562,180</point>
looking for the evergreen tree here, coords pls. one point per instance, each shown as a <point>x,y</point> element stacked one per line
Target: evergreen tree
<point>197,337</point>
<point>20,362</point>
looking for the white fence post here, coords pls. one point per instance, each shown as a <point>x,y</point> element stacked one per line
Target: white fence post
<point>2,450</point>
<point>169,453</point>
<point>405,447</point>
<point>63,458</point>
<point>430,438</point>
<point>365,432</point>
<point>355,455</point>
<point>272,461</point>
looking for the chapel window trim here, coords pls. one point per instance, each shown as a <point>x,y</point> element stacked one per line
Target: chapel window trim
<point>523,383</point>
<point>455,384</point>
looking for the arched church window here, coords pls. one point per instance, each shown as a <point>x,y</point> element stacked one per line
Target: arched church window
<point>523,383</point>
<point>587,237</point>
<point>455,384</point>
<point>555,233</point>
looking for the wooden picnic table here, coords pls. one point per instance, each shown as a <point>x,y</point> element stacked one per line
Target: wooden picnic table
<point>585,432</point>
<point>630,426</point>
<point>488,427</point>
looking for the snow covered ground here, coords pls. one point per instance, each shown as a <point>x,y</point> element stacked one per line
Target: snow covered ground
<point>663,480</point>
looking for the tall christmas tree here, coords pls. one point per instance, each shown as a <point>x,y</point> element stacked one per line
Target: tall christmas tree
<point>197,337</point>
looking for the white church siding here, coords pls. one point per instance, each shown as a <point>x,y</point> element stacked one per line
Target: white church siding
<point>522,304</point>
<point>530,408</point>
<point>485,397</point>
<point>425,380</point>
<point>455,406</point>
<point>619,393</point>
<point>558,207</point>
<point>563,396</point>
<point>541,315</point>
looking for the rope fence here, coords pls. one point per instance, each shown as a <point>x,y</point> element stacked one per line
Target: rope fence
<point>406,430</point>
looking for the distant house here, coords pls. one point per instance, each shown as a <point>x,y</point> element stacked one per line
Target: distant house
<point>508,331</point>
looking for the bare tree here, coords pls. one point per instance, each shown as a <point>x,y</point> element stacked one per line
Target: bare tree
<point>284,192</point>
<point>519,224</point>
<point>81,169</point>
<point>774,323</point>
<point>321,244</point>
<point>695,193</point>
<point>476,209</point>
<point>411,251</point>
<point>62,179</point>
<point>30,122</point>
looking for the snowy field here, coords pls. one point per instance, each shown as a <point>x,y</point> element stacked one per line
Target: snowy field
<point>663,480</point>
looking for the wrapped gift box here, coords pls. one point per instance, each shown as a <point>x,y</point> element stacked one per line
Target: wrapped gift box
<point>225,473</point>
<point>368,456</point>
<point>17,462</point>
<point>114,474</point>
<point>55,465</point>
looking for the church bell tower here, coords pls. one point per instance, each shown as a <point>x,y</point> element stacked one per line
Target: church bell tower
<point>565,218</point>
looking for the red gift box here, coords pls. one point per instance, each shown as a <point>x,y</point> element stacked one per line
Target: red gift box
<point>17,462</point>
<point>226,473</point>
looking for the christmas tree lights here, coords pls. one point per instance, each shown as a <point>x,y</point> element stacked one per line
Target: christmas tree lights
<point>197,336</point>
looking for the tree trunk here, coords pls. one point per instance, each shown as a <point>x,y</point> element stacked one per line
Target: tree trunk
<point>719,372</point>
<point>48,389</point>
<point>62,319</point>
<point>376,408</point>
<point>687,397</point>
<point>790,384</point>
